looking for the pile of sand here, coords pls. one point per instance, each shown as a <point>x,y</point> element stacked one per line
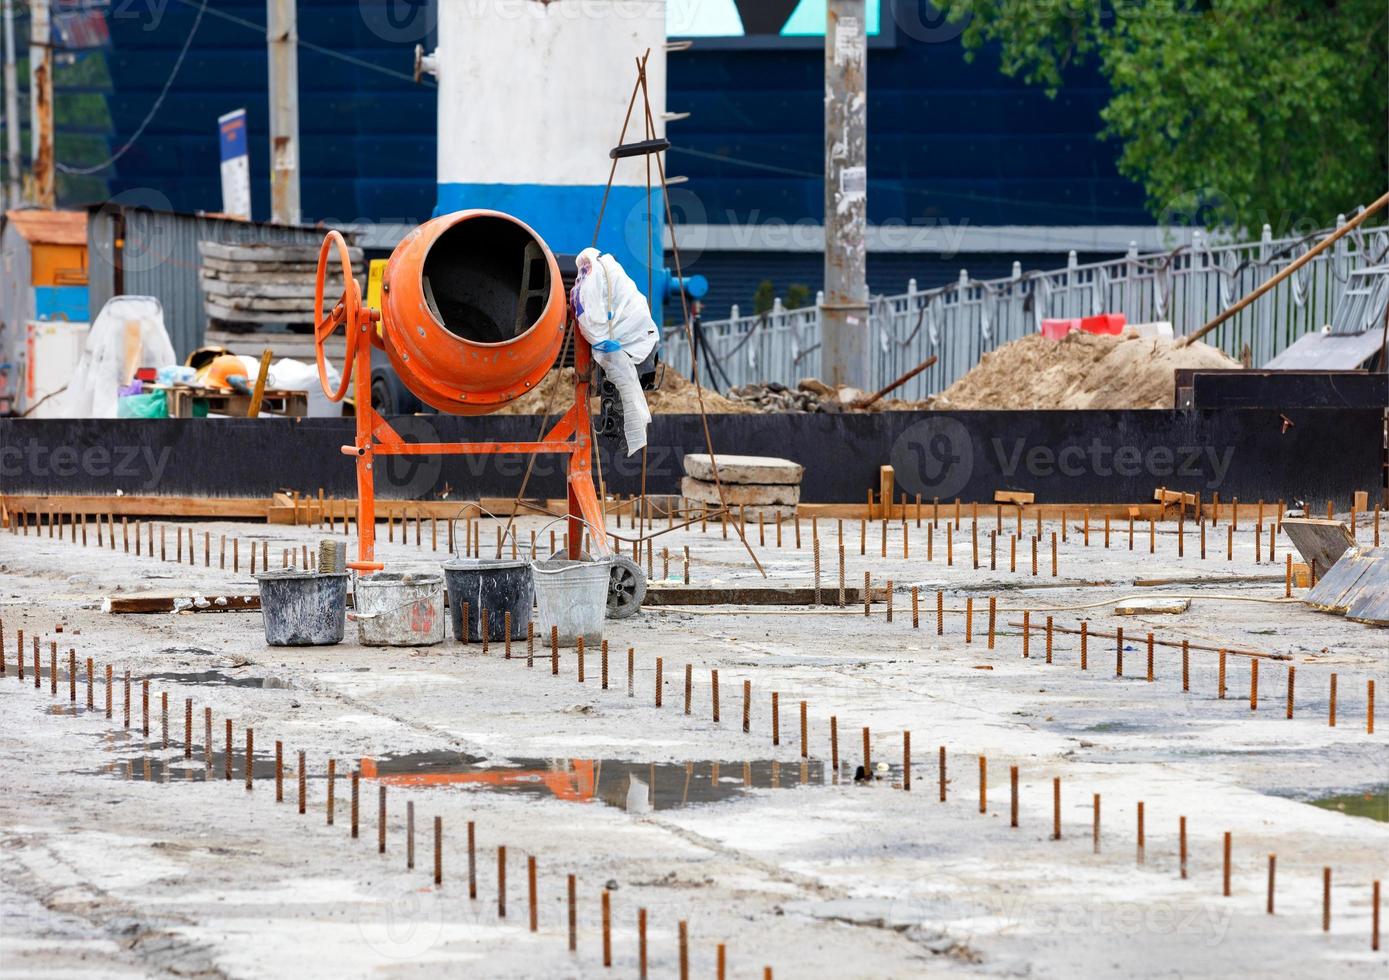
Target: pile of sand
<point>674,395</point>
<point>1082,371</point>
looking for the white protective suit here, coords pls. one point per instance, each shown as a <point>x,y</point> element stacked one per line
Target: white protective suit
<point>615,320</point>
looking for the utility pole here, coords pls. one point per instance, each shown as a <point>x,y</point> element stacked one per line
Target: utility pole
<point>844,347</point>
<point>11,110</point>
<point>41,103</point>
<point>282,39</point>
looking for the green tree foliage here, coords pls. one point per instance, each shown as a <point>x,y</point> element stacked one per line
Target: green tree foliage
<point>1233,112</point>
<point>763,297</point>
<point>797,295</point>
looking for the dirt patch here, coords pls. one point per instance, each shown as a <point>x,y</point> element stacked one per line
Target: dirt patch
<point>674,395</point>
<point>1082,371</point>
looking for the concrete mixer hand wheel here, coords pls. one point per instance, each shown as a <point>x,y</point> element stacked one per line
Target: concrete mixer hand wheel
<point>348,313</point>
<point>626,588</point>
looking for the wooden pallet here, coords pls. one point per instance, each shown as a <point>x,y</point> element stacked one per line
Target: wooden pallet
<point>291,404</point>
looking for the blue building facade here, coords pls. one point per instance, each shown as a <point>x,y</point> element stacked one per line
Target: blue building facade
<point>967,168</point>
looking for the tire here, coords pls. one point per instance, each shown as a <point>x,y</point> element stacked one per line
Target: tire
<point>626,588</point>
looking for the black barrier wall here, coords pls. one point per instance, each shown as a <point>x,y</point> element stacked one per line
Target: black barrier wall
<point>1061,456</point>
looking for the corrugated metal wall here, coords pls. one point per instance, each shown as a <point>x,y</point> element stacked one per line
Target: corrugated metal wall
<point>139,251</point>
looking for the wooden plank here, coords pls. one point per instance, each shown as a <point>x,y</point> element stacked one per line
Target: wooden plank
<point>1014,497</point>
<point>1164,496</point>
<point>167,603</point>
<point>1371,601</point>
<point>1338,588</point>
<point>1318,539</point>
<point>886,478</point>
<point>258,393</point>
<point>135,506</point>
<point>753,595</point>
<point>1050,512</point>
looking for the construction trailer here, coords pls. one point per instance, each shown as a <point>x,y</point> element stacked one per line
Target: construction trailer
<point>44,308</point>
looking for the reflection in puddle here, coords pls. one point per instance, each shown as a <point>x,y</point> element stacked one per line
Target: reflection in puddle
<point>634,786</point>
<point>218,678</point>
<point>1372,803</point>
<point>156,766</point>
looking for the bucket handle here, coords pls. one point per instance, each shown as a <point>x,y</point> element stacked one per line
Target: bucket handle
<point>457,517</point>
<point>563,517</point>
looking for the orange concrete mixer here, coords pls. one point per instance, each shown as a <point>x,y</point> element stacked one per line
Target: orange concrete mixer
<point>473,316</point>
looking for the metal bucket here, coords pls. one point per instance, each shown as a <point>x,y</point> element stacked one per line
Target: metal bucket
<point>572,596</point>
<point>302,608</point>
<point>399,610</point>
<point>495,585</point>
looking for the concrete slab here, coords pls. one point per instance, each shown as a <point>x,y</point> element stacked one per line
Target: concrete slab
<point>744,469</point>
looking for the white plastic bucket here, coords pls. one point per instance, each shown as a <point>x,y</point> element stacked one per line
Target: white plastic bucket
<point>573,597</point>
<point>399,610</point>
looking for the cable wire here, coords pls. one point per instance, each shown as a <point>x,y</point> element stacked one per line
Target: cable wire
<point>149,117</point>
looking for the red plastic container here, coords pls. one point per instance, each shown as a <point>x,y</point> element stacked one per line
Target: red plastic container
<point>1110,323</point>
<point>1056,329</point>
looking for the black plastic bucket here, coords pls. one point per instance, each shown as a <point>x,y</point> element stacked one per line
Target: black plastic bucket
<point>497,585</point>
<point>302,608</point>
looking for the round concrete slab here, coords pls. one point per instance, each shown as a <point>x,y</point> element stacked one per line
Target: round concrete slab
<point>744,469</point>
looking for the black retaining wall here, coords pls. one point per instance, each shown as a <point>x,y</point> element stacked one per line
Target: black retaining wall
<point>1062,456</point>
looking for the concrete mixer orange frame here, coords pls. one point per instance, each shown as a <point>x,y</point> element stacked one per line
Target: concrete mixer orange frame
<point>473,316</point>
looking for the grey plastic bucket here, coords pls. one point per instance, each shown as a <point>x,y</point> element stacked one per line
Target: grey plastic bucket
<point>399,610</point>
<point>302,608</point>
<point>496,585</point>
<point>573,597</point>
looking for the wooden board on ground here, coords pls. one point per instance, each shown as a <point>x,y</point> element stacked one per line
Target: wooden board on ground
<point>1358,583</point>
<point>1319,540</point>
<point>215,508</point>
<point>167,603</point>
<point>1014,497</point>
<point>1371,601</point>
<point>666,594</point>
<point>744,469</point>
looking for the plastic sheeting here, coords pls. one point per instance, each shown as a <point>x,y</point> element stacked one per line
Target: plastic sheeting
<point>127,334</point>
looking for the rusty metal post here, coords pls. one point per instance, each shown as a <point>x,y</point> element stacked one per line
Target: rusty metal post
<point>41,103</point>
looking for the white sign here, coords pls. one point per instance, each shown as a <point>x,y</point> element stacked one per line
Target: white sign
<point>236,164</point>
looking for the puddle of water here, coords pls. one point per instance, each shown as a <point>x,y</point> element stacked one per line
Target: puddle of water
<point>1372,803</point>
<point>634,786</point>
<point>218,678</point>
<point>153,765</point>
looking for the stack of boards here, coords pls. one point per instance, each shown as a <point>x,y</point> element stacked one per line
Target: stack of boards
<point>754,485</point>
<point>263,283</point>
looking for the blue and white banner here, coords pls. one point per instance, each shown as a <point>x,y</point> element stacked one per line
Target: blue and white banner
<point>236,165</point>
